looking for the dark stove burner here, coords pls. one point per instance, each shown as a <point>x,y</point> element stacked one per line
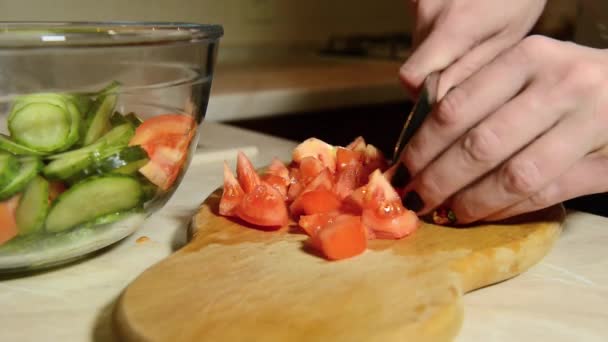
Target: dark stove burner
<point>387,46</point>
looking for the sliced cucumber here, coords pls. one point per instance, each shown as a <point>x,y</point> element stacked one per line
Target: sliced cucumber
<point>98,119</point>
<point>66,168</point>
<point>117,119</point>
<point>83,103</point>
<point>8,145</point>
<point>33,206</point>
<point>41,126</point>
<point>100,163</point>
<point>119,136</point>
<point>134,119</point>
<point>109,194</point>
<point>131,168</point>
<point>9,167</point>
<point>28,169</point>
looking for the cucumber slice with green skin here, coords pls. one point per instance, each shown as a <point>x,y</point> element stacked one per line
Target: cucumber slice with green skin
<point>66,103</point>
<point>134,119</point>
<point>98,119</point>
<point>82,102</point>
<point>8,145</point>
<point>28,169</point>
<point>117,119</point>
<point>33,206</point>
<point>9,167</point>
<point>109,162</point>
<point>119,136</point>
<point>66,168</point>
<point>41,126</point>
<point>131,168</point>
<point>93,198</point>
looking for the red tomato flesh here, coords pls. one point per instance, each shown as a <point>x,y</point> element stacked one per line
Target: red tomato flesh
<point>263,206</point>
<point>317,149</point>
<point>276,182</point>
<point>8,225</point>
<point>277,168</point>
<point>166,139</point>
<point>346,157</point>
<point>232,194</point>
<point>342,238</point>
<point>315,202</point>
<point>311,224</point>
<point>245,173</point>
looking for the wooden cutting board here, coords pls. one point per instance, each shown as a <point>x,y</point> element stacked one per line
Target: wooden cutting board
<point>232,283</point>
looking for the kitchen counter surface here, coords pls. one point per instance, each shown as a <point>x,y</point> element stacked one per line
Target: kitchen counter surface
<point>563,298</point>
<point>278,85</point>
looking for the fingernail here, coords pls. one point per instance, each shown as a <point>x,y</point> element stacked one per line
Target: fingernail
<point>401,176</point>
<point>412,201</point>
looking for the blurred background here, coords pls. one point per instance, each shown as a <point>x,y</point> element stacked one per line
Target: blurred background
<point>320,68</point>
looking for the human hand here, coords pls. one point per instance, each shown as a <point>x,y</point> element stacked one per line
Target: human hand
<point>527,131</point>
<point>458,37</point>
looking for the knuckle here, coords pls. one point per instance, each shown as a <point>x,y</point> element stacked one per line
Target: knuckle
<point>521,177</point>
<point>431,191</point>
<point>543,198</point>
<point>481,145</point>
<point>411,157</point>
<point>448,111</point>
<point>528,51</point>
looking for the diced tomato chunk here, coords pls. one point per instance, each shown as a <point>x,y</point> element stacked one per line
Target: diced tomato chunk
<point>263,206</point>
<point>349,179</point>
<point>276,182</point>
<point>8,224</point>
<point>323,181</point>
<point>317,149</point>
<point>342,238</point>
<point>246,173</point>
<point>309,169</point>
<point>346,157</point>
<point>279,169</point>
<point>357,145</point>
<point>232,194</point>
<point>383,211</point>
<point>315,202</point>
<point>311,224</point>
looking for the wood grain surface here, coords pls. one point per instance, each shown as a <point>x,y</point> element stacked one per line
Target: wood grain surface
<point>236,283</point>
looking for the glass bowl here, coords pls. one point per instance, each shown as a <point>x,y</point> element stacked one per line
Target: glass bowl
<point>99,121</point>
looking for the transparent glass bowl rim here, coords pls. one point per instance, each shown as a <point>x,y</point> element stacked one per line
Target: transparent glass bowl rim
<point>102,34</point>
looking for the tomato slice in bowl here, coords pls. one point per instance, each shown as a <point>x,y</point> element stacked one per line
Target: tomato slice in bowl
<point>166,139</point>
<point>263,206</point>
<point>8,224</point>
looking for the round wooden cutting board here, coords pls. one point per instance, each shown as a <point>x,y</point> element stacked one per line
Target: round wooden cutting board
<point>233,283</point>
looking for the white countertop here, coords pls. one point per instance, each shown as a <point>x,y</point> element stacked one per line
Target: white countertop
<point>564,298</point>
<point>288,84</point>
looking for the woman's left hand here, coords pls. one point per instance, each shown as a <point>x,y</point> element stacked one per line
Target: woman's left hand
<point>528,130</point>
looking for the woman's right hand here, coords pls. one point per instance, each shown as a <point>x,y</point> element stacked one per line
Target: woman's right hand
<point>458,37</point>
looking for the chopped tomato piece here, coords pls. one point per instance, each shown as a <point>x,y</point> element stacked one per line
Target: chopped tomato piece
<point>8,224</point>
<point>323,180</point>
<point>309,169</point>
<point>279,169</point>
<point>232,194</point>
<point>166,139</point>
<point>374,159</point>
<point>357,145</point>
<point>383,211</point>
<point>346,157</point>
<point>315,202</point>
<point>276,182</point>
<point>245,173</point>
<point>263,206</point>
<point>317,149</point>
<point>349,179</point>
<point>342,238</point>
<point>311,224</point>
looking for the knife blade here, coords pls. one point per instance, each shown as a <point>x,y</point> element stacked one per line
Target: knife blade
<point>414,120</point>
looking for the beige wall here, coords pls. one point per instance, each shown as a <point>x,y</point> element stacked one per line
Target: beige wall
<point>246,22</point>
